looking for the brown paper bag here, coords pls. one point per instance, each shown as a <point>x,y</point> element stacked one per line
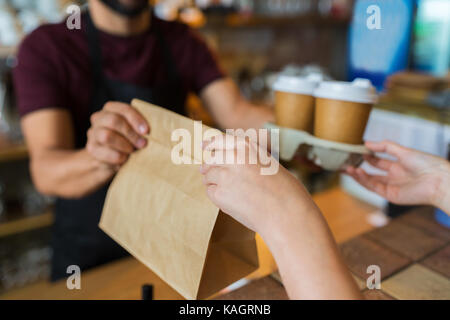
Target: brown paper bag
<point>158,211</point>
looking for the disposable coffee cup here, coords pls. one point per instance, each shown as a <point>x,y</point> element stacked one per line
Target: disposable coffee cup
<point>343,109</point>
<point>294,101</point>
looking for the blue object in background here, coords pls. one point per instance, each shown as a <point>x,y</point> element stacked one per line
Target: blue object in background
<point>377,53</point>
<point>442,218</point>
<point>432,37</point>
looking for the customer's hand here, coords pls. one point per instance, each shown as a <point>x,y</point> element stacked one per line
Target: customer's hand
<point>279,208</point>
<point>414,178</point>
<point>116,131</point>
<point>250,197</point>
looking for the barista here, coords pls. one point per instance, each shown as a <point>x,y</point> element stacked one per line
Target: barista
<point>73,89</point>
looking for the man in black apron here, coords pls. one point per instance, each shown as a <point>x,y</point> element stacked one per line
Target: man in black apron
<point>77,240</point>
<point>91,246</point>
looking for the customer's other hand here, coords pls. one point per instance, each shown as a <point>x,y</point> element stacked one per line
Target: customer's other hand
<point>414,178</point>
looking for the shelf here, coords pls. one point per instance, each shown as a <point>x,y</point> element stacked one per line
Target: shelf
<point>7,51</point>
<point>26,224</point>
<point>13,152</point>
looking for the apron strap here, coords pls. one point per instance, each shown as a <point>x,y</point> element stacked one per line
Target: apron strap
<point>169,60</point>
<point>95,51</point>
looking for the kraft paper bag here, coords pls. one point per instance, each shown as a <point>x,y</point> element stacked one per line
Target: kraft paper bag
<point>159,212</point>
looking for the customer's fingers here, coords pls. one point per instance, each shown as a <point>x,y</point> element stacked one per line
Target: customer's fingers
<point>224,142</point>
<point>134,118</point>
<point>216,143</point>
<point>386,146</point>
<point>211,191</point>
<point>215,175</point>
<point>204,168</point>
<point>351,171</point>
<point>377,184</point>
<point>205,143</point>
<point>379,163</point>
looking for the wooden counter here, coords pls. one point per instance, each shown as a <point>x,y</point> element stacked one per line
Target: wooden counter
<point>413,253</point>
<point>118,280</point>
<point>346,216</point>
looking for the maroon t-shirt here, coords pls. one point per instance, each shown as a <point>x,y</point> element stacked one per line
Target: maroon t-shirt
<point>54,66</point>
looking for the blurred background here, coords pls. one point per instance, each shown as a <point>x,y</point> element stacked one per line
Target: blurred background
<point>407,60</point>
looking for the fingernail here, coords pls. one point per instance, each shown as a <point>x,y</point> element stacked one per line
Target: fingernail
<point>141,143</point>
<point>143,129</point>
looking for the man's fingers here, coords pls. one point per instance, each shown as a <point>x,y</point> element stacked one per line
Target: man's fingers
<point>379,163</point>
<point>116,122</point>
<point>116,131</point>
<point>113,140</point>
<point>217,150</point>
<point>134,118</point>
<point>106,154</point>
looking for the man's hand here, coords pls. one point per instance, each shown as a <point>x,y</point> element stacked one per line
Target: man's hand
<point>116,131</point>
<point>415,178</point>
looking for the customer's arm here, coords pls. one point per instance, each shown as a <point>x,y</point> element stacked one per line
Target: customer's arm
<point>280,209</point>
<point>60,170</point>
<point>413,178</point>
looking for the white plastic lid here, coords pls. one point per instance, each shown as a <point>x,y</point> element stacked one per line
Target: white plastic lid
<point>296,84</point>
<point>360,90</point>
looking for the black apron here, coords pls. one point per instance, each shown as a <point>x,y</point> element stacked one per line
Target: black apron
<point>77,239</point>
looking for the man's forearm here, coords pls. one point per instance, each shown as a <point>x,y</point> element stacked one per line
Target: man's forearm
<point>249,116</point>
<point>230,109</point>
<point>68,173</point>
